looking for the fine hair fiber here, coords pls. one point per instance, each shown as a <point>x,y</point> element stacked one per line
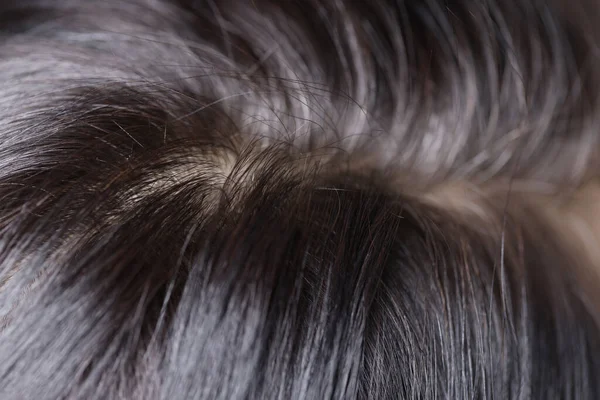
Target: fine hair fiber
<point>296,199</point>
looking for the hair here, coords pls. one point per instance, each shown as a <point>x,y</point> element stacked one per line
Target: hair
<point>296,199</point>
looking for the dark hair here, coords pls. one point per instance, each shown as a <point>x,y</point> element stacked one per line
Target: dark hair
<point>295,199</point>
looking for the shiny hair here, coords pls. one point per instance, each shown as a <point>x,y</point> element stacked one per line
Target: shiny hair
<point>294,199</point>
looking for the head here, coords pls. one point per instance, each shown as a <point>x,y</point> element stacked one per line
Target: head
<point>294,200</point>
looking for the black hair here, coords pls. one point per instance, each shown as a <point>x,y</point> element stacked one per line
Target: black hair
<point>295,199</point>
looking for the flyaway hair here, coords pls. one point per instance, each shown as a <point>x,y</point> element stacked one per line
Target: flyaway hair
<point>272,199</point>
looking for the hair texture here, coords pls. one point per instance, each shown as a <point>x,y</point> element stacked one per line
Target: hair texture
<point>316,199</point>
